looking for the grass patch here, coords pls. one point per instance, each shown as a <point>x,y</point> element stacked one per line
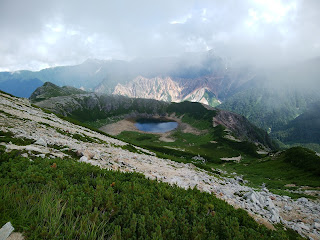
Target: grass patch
<point>274,172</point>
<point>9,137</point>
<point>303,158</point>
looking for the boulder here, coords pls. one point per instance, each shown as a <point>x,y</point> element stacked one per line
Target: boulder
<point>270,204</point>
<point>275,216</point>
<point>83,159</point>
<point>316,226</point>
<point>287,208</point>
<point>41,142</point>
<point>79,153</point>
<point>88,154</point>
<point>15,236</point>
<point>6,230</point>
<point>303,226</point>
<point>302,200</point>
<point>85,153</point>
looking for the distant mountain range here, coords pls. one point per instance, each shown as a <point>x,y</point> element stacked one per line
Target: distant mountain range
<point>271,99</point>
<point>195,76</point>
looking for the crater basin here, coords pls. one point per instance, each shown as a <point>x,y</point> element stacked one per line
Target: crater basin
<point>155,125</point>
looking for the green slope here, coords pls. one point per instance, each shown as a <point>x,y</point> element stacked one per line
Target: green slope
<point>269,108</point>
<point>304,129</point>
<point>48,90</point>
<point>64,199</point>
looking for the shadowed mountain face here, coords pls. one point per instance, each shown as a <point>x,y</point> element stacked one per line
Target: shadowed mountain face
<point>270,108</point>
<point>303,129</point>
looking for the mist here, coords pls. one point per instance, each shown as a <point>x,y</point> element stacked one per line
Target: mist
<point>267,34</point>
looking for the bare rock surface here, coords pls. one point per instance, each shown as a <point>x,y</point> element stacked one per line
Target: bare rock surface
<point>61,137</point>
<point>16,236</point>
<point>6,230</point>
<point>165,89</point>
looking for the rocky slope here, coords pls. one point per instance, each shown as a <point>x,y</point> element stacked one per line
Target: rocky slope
<point>155,88</point>
<point>165,89</point>
<point>54,137</point>
<point>242,128</point>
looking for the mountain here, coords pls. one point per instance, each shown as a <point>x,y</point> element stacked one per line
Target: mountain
<point>87,75</point>
<point>92,107</point>
<point>154,88</point>
<point>165,89</point>
<point>304,129</point>
<point>199,77</point>
<point>20,88</point>
<point>48,90</point>
<point>270,108</point>
<point>202,76</point>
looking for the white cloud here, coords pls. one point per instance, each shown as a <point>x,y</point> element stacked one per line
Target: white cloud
<point>43,33</point>
<point>182,19</point>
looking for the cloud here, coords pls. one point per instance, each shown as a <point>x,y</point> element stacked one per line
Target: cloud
<point>40,34</point>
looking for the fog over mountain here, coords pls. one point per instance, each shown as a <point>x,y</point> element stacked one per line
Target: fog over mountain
<point>39,34</point>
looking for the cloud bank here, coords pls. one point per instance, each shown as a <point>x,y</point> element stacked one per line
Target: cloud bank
<point>36,34</point>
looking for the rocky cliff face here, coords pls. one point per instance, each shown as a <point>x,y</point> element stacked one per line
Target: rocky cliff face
<point>166,89</point>
<point>158,88</point>
<point>242,128</point>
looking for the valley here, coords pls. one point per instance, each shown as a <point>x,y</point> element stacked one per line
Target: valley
<point>32,134</point>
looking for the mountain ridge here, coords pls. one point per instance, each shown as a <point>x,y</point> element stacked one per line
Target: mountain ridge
<point>101,106</point>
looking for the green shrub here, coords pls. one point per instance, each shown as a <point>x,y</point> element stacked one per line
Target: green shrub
<point>64,199</point>
<point>303,158</point>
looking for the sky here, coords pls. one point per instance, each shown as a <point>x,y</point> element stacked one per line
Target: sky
<point>37,34</point>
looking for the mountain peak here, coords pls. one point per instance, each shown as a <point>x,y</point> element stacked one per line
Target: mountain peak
<point>48,90</point>
<point>93,61</point>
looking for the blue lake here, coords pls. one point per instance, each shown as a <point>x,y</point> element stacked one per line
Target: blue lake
<point>155,125</point>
